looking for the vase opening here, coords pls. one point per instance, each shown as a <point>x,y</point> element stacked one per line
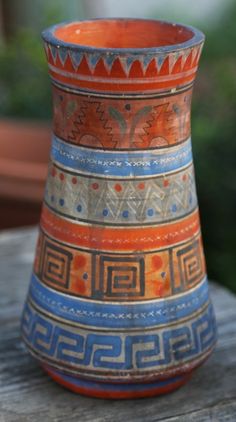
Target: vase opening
<point>123,33</point>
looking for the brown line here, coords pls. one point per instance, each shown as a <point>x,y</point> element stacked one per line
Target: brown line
<point>123,149</point>
<point>166,94</point>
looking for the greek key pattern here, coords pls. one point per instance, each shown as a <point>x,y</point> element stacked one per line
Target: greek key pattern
<point>154,350</point>
<point>115,202</point>
<point>119,277</point>
<point>121,164</point>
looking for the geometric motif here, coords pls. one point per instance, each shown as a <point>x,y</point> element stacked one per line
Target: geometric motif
<point>55,265</point>
<point>131,352</point>
<point>74,58</point>
<point>125,202</point>
<point>110,124</point>
<point>110,315</point>
<point>120,235</point>
<point>120,277</point>
<point>136,238</point>
<point>122,70</point>
<point>188,262</point>
<point>130,164</point>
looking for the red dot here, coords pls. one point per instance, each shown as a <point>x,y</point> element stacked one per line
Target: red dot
<point>166,183</point>
<point>79,262</point>
<point>53,172</point>
<point>118,187</point>
<point>160,290</point>
<point>141,186</point>
<point>185,177</point>
<point>157,262</point>
<point>62,177</point>
<point>95,186</point>
<point>74,180</point>
<point>80,286</point>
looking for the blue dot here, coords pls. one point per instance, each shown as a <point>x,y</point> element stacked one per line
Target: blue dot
<point>163,274</point>
<point>174,208</point>
<point>125,214</point>
<point>105,212</point>
<point>150,212</point>
<point>85,276</point>
<point>79,208</point>
<point>61,202</point>
<point>190,198</point>
<point>52,198</point>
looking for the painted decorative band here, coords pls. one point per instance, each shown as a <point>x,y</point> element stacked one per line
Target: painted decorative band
<point>122,164</point>
<point>119,277</point>
<point>121,202</point>
<point>129,315</point>
<point>133,70</point>
<point>118,354</point>
<point>115,390</point>
<point>120,95</point>
<point>121,123</point>
<point>117,239</point>
<point>104,84</point>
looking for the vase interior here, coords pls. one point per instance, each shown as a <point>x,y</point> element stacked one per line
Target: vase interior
<point>123,33</point>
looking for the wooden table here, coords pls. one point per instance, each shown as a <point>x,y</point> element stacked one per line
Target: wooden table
<point>28,395</point>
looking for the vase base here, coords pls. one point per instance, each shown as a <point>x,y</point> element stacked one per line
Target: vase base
<point>117,391</point>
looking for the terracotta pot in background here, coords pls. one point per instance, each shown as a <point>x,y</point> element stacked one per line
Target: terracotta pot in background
<point>24,151</point>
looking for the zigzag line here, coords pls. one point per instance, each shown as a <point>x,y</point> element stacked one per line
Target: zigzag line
<point>105,121</point>
<point>79,120</point>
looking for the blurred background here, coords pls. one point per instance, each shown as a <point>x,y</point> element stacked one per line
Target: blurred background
<point>25,110</point>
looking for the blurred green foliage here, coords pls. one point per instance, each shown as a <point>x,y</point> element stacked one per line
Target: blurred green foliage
<point>24,82</point>
<point>25,93</point>
<point>214,130</point>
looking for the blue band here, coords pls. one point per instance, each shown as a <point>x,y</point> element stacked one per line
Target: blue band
<point>123,164</point>
<point>109,315</point>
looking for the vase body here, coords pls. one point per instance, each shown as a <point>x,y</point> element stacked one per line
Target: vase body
<point>118,304</point>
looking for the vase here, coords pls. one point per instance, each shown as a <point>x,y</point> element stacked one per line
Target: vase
<point>118,304</point>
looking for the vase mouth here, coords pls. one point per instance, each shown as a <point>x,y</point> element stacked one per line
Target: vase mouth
<point>123,35</point>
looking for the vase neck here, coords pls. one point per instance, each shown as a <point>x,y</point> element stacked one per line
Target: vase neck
<point>164,61</point>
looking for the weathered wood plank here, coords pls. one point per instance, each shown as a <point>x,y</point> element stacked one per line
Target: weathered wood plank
<point>27,394</point>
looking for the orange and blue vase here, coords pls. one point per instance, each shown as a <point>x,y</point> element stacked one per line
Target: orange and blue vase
<point>118,304</point>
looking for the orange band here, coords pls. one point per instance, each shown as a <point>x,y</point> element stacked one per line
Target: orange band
<point>113,239</point>
<point>118,86</point>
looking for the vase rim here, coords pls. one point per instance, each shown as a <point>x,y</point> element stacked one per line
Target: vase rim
<point>196,37</point>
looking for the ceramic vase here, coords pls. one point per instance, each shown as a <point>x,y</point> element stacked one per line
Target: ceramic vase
<point>118,304</point>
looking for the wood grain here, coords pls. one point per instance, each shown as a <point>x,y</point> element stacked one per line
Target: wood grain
<point>28,395</point>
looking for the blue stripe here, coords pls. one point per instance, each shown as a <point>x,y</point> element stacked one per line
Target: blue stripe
<point>102,386</point>
<point>110,315</point>
<point>126,164</point>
